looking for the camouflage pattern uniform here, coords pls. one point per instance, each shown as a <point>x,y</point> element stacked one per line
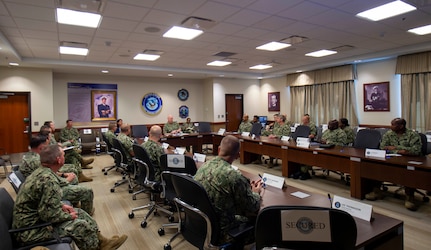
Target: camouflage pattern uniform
<point>38,201</point>
<point>67,134</point>
<point>71,191</point>
<point>336,137</point>
<point>268,132</point>
<point>110,136</point>
<point>229,191</point>
<point>409,141</point>
<point>245,126</point>
<point>71,158</point>
<point>169,127</point>
<point>313,128</point>
<point>188,127</point>
<point>349,134</point>
<point>154,151</point>
<point>282,130</point>
<point>127,144</point>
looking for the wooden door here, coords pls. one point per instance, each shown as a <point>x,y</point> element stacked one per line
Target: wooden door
<point>234,111</point>
<point>15,127</point>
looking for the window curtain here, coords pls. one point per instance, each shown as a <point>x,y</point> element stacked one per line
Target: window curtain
<point>415,70</point>
<point>324,94</point>
<point>325,102</point>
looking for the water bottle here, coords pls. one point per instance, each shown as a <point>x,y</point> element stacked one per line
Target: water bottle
<point>97,145</point>
<point>79,143</point>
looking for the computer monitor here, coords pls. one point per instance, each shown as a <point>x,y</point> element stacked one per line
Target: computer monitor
<point>263,120</point>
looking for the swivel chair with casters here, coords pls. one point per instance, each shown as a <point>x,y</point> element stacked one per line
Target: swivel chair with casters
<point>200,225</point>
<point>110,152</point>
<point>339,226</point>
<point>127,168</point>
<point>145,173</point>
<point>170,164</point>
<point>301,131</point>
<point>256,129</point>
<point>205,127</point>
<point>139,131</point>
<point>6,231</point>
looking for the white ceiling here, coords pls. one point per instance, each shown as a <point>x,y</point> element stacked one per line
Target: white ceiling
<point>30,36</point>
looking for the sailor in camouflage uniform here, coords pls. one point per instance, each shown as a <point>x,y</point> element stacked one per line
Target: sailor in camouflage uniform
<point>232,195</point>
<point>127,142</point>
<point>110,134</point>
<point>350,135</point>
<point>171,127</point>
<point>188,126</point>
<point>334,134</point>
<point>245,125</point>
<point>39,200</point>
<point>154,149</point>
<point>313,129</point>
<point>404,141</point>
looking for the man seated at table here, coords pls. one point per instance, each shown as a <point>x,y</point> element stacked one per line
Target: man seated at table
<point>306,122</point>
<point>282,129</point>
<point>334,135</point>
<point>404,141</point>
<point>154,149</point>
<point>171,127</point>
<point>39,200</point>
<point>350,135</point>
<point>110,134</point>
<point>245,125</point>
<point>232,195</point>
<point>188,126</point>
<point>126,141</point>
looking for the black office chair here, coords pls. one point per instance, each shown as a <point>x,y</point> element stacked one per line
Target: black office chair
<point>256,129</point>
<point>367,138</point>
<point>16,179</point>
<point>205,127</point>
<point>145,173</point>
<point>200,225</point>
<point>7,237</point>
<point>139,131</point>
<point>110,152</point>
<point>301,131</point>
<point>88,139</point>
<point>179,164</point>
<point>121,162</point>
<point>273,221</point>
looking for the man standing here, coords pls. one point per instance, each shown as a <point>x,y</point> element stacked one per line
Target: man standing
<point>245,125</point>
<point>232,195</point>
<point>154,149</point>
<point>103,109</point>
<point>171,127</point>
<point>39,200</point>
<point>404,141</point>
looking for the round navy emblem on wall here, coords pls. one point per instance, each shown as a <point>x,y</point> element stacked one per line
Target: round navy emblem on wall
<point>152,103</point>
<point>183,94</point>
<point>184,111</point>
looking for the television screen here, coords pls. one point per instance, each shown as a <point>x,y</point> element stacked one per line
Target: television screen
<point>263,120</point>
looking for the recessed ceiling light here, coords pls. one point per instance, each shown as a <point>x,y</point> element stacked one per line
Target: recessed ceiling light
<point>421,30</point>
<point>73,51</point>
<point>78,18</point>
<point>182,33</point>
<point>298,71</point>
<point>218,63</point>
<point>105,71</point>
<point>13,64</point>
<point>387,10</point>
<point>146,57</point>
<point>273,46</point>
<point>261,66</point>
<point>320,53</point>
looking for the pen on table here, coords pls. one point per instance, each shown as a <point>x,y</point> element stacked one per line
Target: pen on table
<point>330,199</point>
<point>263,185</point>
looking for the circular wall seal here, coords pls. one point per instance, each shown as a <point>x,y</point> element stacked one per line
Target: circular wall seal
<point>152,103</point>
<point>183,94</point>
<point>184,111</point>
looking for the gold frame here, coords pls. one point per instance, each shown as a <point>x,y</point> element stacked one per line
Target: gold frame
<point>111,101</point>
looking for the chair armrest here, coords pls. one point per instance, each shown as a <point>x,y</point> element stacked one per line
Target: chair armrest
<point>23,229</point>
<point>242,230</point>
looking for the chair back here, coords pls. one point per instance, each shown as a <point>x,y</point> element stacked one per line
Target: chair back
<point>301,131</point>
<point>319,133</point>
<point>204,127</point>
<point>139,131</point>
<point>367,138</point>
<point>299,227</point>
<point>145,169</point>
<point>6,211</point>
<point>108,144</point>
<point>256,129</point>
<point>201,226</point>
<point>88,138</point>
<point>16,179</point>
<point>424,141</point>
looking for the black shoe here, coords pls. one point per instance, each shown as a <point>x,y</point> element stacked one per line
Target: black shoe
<point>295,175</point>
<point>305,176</point>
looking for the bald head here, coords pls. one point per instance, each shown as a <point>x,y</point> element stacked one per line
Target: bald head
<point>229,148</point>
<point>125,128</point>
<point>155,133</point>
<point>170,119</point>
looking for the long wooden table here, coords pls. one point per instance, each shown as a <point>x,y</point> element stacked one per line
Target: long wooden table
<point>382,233</point>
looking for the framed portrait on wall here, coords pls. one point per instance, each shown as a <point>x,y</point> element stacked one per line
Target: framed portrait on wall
<point>273,101</point>
<point>104,105</point>
<point>376,96</point>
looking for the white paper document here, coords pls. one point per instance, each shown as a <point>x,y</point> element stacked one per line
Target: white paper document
<point>300,194</point>
<point>199,157</point>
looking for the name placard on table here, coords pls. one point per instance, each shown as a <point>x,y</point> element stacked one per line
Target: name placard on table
<point>354,208</point>
<point>375,153</point>
<point>273,180</point>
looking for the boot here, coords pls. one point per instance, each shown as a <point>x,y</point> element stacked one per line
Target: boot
<point>112,243</point>
<point>83,178</point>
<point>376,194</point>
<point>86,162</point>
<point>410,203</point>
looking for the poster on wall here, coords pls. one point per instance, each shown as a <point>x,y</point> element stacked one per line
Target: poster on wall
<point>104,103</point>
<point>83,100</point>
<point>273,101</point>
<point>376,96</point>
